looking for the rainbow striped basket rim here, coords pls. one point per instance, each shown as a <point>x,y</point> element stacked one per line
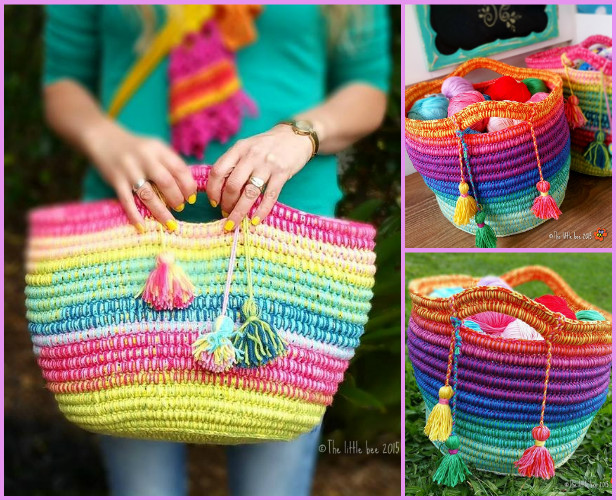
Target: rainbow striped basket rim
<point>501,381</point>
<point>502,164</point>
<point>116,365</point>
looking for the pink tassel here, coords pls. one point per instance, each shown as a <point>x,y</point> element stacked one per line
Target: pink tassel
<point>168,287</point>
<point>544,206</point>
<point>573,112</point>
<point>536,460</point>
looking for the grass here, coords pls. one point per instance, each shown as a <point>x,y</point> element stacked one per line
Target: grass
<point>589,471</point>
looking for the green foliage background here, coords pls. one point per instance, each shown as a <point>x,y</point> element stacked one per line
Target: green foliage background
<point>39,170</point>
<point>589,471</point>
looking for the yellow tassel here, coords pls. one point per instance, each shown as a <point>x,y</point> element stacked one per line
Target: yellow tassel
<point>466,206</point>
<point>439,423</point>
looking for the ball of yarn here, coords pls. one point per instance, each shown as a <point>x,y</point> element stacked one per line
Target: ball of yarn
<point>589,315</point>
<point>556,304</point>
<point>433,107</point>
<point>539,96</point>
<point>486,97</point>
<point>606,52</point>
<point>535,85</point>
<point>507,88</point>
<point>492,323</point>
<point>473,132</point>
<point>493,281</point>
<point>468,323</point>
<point>496,123</point>
<point>586,67</point>
<point>445,292</point>
<point>455,85</point>
<point>518,329</point>
<point>461,101</point>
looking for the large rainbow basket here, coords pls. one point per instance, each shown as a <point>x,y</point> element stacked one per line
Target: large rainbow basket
<point>593,90</point>
<point>509,397</point>
<point>251,343</point>
<point>502,168</point>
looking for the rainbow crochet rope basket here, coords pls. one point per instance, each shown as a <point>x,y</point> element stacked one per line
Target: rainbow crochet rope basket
<point>515,403</point>
<point>506,170</point>
<point>590,91</point>
<point>198,336</point>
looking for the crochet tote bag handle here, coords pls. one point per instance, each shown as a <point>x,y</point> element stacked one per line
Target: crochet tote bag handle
<point>528,112</point>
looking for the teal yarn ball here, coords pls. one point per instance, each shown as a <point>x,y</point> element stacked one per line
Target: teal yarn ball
<point>589,315</point>
<point>433,107</point>
<point>535,85</point>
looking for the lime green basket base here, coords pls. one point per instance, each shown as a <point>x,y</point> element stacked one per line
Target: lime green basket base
<point>191,413</point>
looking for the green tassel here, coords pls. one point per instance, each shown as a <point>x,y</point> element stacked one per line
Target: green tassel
<point>485,237</point>
<point>597,153</point>
<point>451,470</point>
<point>256,339</point>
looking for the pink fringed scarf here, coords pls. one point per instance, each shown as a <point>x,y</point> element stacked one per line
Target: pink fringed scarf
<point>206,98</point>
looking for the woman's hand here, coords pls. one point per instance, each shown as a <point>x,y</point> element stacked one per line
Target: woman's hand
<point>273,157</point>
<point>124,159</point>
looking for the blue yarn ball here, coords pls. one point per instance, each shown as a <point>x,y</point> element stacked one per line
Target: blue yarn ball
<point>433,107</point>
<point>487,97</point>
<point>586,67</point>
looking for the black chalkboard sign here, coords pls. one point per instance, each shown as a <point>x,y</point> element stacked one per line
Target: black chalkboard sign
<point>469,26</point>
<point>453,33</point>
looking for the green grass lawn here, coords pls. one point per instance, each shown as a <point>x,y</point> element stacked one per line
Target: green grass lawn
<point>589,471</point>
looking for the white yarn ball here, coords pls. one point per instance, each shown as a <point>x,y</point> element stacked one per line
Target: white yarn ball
<point>519,330</point>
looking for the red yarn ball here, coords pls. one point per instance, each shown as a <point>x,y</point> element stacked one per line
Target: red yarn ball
<point>556,304</point>
<point>507,88</point>
<point>541,433</point>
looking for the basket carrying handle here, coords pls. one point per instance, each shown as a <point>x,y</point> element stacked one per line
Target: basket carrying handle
<point>526,112</point>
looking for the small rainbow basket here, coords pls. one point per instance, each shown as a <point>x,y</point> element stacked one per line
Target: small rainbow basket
<point>509,404</point>
<point>506,170</point>
<point>196,336</point>
<point>589,90</point>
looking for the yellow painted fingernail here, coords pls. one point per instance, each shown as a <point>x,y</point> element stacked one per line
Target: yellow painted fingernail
<point>255,220</point>
<point>140,228</point>
<point>192,198</point>
<point>214,203</point>
<point>179,208</point>
<point>224,214</point>
<point>172,225</point>
<point>229,225</point>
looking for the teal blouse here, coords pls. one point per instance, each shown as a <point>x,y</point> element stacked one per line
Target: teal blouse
<point>290,68</point>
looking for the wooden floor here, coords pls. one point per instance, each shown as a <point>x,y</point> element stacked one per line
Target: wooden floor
<point>587,207</point>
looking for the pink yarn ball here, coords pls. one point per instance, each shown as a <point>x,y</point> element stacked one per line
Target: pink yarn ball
<point>539,96</point>
<point>461,101</point>
<point>492,323</point>
<point>496,123</point>
<point>455,85</point>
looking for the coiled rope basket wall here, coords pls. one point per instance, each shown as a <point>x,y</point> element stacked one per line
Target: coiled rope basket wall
<point>502,168</point>
<point>197,336</point>
<point>507,394</point>
<point>593,91</point>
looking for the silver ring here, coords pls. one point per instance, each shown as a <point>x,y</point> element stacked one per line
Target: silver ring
<point>139,184</point>
<point>256,182</point>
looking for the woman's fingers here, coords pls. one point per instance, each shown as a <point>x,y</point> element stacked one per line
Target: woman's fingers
<point>232,189</point>
<point>270,196</point>
<point>221,170</point>
<point>247,198</point>
<point>167,186</point>
<point>157,207</point>
<point>180,172</point>
<point>127,200</point>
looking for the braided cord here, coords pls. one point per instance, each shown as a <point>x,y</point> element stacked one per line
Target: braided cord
<point>532,132</point>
